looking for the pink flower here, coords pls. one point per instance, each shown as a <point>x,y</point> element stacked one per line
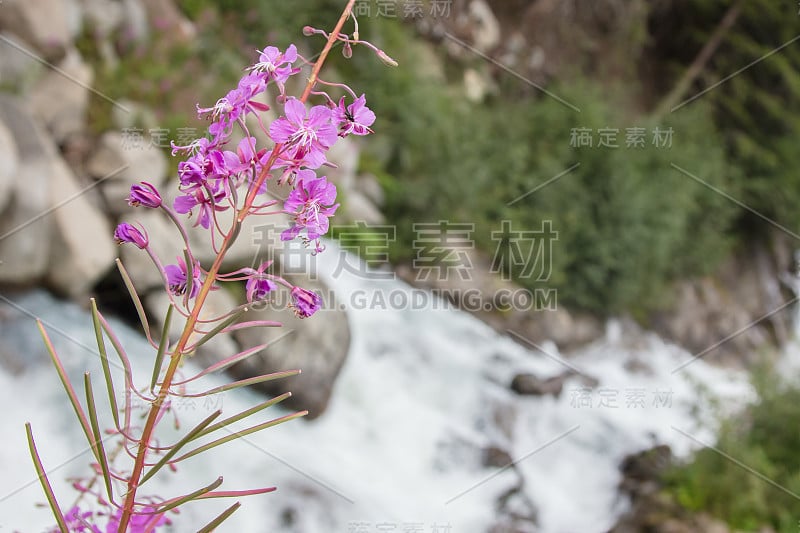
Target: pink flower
<point>355,118</point>
<point>177,277</point>
<point>144,520</point>
<point>245,159</point>
<point>311,202</point>
<point>276,65</point>
<point>200,198</point>
<point>235,105</point>
<point>306,134</point>
<point>305,302</point>
<point>258,285</point>
<point>128,233</point>
<point>144,194</point>
<point>79,521</point>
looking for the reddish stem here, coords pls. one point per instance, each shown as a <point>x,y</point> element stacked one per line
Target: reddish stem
<point>163,392</point>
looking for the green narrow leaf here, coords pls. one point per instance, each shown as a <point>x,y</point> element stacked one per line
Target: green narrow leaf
<point>235,493</point>
<point>101,346</point>
<point>135,298</point>
<point>62,373</point>
<point>162,348</point>
<point>191,435</point>
<point>126,365</point>
<point>100,451</point>
<point>172,504</point>
<point>243,414</point>
<point>242,433</point>
<point>245,383</point>
<point>220,519</point>
<point>189,276</point>
<point>48,489</point>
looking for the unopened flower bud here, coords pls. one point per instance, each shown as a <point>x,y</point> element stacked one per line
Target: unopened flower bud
<point>308,31</point>
<point>145,195</point>
<point>127,233</point>
<point>347,50</point>
<point>386,59</point>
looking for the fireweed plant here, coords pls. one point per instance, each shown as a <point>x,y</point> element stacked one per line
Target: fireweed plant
<point>215,179</point>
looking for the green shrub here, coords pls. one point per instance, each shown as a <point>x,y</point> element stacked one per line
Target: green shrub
<point>629,223</point>
<point>764,441</point>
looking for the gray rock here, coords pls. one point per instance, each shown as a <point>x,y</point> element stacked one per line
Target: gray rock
<point>317,345</point>
<point>486,31</point>
<point>25,228</point>
<point>8,171</point>
<point>368,185</point>
<point>651,507</point>
<point>126,115</point>
<point>496,457</point>
<point>121,160</point>
<point>728,317</point>
<point>18,70</point>
<point>47,25</point>
<point>82,248</point>
<point>60,99</point>
<point>166,17</point>
<point>529,384</point>
<point>476,85</point>
<point>345,154</point>
<point>135,24</point>
<point>357,207</point>
<point>103,16</point>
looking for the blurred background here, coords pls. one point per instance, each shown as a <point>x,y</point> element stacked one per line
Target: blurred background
<point>560,289</point>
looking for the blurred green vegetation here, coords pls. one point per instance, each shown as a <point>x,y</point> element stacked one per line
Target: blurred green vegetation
<point>756,105</point>
<point>629,221</point>
<point>764,441</point>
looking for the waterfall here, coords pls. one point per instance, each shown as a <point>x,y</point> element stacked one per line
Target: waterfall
<point>422,397</point>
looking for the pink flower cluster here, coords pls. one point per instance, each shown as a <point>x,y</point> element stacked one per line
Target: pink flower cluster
<point>215,177</point>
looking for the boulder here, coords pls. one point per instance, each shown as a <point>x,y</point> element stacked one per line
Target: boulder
<point>531,385</point>
<point>652,509</point>
<point>369,186</point>
<point>317,345</point>
<point>82,247</point>
<point>166,17</point>
<point>358,208</point>
<point>122,159</point>
<point>496,457</point>
<point>60,99</point>
<point>8,171</point>
<point>134,22</point>
<point>726,318</point>
<point>486,31</point>
<point>477,85</point>
<point>475,23</point>
<point>345,154</point>
<point>25,229</point>
<point>102,16</point>
<point>18,70</point>
<point>47,25</point>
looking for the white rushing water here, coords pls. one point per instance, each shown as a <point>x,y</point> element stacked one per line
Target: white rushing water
<point>422,393</point>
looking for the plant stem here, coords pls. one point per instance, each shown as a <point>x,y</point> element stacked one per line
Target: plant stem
<point>178,352</point>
